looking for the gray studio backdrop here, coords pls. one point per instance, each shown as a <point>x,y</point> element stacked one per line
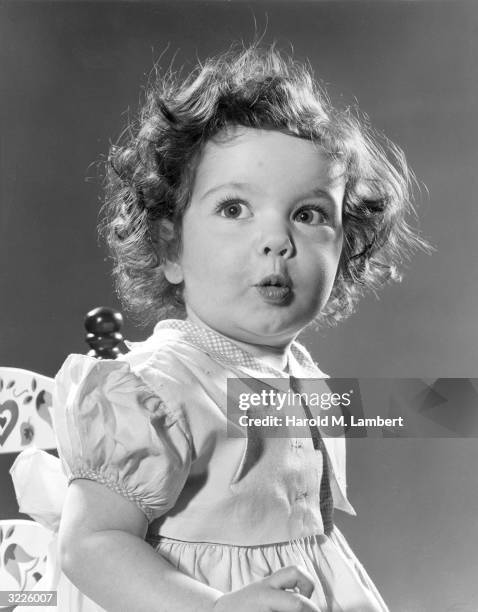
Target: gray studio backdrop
<point>69,73</point>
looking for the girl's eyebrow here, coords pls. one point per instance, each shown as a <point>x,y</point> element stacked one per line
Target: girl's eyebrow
<point>317,192</point>
<point>232,184</point>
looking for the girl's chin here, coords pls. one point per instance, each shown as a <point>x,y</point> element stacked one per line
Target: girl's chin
<point>278,325</point>
<point>267,334</point>
<point>273,329</point>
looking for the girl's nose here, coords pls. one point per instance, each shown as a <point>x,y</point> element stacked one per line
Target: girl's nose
<point>278,244</point>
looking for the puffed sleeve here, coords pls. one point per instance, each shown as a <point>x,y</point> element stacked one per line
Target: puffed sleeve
<point>113,429</point>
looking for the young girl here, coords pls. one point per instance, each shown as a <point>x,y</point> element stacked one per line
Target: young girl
<point>242,209</point>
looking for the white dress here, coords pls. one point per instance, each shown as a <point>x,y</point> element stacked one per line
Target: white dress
<point>227,511</point>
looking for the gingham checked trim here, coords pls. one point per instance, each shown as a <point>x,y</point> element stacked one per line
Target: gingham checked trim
<point>97,476</point>
<point>225,351</point>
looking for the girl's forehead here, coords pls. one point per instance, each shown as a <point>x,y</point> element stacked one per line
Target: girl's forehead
<point>242,154</point>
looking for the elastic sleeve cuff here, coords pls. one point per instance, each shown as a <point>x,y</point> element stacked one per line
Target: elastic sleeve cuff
<point>87,474</point>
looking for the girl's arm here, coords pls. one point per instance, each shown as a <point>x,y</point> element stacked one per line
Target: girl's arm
<point>103,552</point>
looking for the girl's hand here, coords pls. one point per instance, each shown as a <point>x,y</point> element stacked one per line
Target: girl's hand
<point>271,594</point>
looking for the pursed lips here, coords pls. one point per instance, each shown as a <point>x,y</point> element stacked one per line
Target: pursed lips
<point>275,280</point>
<point>275,289</point>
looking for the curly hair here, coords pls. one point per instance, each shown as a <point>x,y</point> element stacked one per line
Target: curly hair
<point>151,173</point>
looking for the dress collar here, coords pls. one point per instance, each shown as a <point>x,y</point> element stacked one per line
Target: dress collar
<point>220,348</point>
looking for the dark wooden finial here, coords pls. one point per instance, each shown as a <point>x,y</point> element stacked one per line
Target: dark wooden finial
<point>103,327</point>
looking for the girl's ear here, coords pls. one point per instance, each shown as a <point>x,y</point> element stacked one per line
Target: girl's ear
<point>166,237</point>
<point>173,272</point>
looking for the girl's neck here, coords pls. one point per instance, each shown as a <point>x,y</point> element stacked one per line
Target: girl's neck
<point>276,357</point>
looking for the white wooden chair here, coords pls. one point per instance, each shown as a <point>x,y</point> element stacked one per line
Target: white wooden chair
<point>28,549</point>
<point>25,423</point>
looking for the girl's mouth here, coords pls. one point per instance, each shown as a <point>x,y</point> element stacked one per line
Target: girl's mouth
<point>275,289</point>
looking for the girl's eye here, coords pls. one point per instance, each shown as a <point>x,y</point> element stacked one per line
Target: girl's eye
<point>233,209</point>
<point>311,216</point>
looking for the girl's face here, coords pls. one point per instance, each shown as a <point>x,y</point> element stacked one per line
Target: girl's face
<point>262,236</point>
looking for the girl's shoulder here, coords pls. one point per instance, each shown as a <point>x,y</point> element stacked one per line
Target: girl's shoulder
<point>159,359</point>
<point>155,377</point>
<point>81,375</point>
<point>89,388</point>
